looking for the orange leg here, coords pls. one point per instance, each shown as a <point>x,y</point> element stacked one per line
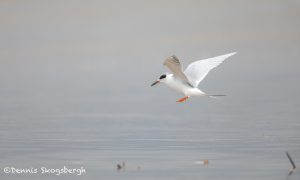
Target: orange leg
<point>183,99</point>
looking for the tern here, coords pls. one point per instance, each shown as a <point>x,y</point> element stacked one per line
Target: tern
<point>187,81</point>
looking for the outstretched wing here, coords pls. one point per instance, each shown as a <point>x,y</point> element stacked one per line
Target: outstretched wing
<point>174,65</point>
<point>197,70</point>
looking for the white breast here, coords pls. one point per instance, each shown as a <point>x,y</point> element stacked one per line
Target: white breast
<point>181,87</point>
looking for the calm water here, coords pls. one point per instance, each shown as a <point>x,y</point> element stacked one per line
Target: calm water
<point>153,147</point>
<point>75,89</point>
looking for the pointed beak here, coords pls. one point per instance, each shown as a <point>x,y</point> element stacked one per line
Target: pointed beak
<point>154,83</point>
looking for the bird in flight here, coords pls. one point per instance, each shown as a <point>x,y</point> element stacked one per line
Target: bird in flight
<point>187,81</point>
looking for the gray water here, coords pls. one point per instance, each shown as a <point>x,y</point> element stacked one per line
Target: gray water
<point>75,89</point>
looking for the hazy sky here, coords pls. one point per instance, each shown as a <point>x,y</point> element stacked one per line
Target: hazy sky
<point>65,57</point>
<point>75,89</point>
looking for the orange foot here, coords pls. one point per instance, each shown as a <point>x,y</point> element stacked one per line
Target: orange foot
<point>183,99</point>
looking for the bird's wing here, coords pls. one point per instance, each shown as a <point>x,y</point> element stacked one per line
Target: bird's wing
<point>174,65</point>
<point>197,70</point>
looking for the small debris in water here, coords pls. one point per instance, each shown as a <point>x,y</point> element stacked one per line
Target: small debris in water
<point>119,167</point>
<point>204,162</point>
<point>292,162</point>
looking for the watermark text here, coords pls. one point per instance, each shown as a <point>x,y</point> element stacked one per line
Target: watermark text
<point>45,170</point>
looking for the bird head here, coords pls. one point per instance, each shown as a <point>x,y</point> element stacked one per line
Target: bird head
<point>162,78</point>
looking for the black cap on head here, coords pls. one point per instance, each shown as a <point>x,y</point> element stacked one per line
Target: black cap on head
<point>162,76</point>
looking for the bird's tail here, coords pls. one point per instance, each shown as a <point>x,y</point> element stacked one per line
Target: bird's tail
<point>215,95</point>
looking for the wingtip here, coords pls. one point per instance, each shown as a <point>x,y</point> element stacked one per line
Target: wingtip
<point>174,57</point>
<point>225,56</point>
<point>231,54</point>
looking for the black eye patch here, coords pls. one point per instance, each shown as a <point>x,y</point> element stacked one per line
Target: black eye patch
<point>162,76</point>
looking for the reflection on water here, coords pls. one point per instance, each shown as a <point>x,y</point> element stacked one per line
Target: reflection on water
<point>164,151</point>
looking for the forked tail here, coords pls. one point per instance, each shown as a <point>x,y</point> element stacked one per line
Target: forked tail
<point>215,95</point>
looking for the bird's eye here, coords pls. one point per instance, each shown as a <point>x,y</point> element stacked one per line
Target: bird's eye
<point>162,76</point>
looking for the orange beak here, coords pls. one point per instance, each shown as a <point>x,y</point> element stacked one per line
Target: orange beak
<point>154,83</point>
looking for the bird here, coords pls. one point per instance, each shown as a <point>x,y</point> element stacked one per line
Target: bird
<point>187,81</point>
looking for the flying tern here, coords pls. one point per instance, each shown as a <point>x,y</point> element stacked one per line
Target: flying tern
<point>187,81</point>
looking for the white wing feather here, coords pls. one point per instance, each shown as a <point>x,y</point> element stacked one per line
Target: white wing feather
<point>197,70</point>
<point>174,65</point>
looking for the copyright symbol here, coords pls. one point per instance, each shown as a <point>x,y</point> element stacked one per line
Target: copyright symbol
<point>7,170</point>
